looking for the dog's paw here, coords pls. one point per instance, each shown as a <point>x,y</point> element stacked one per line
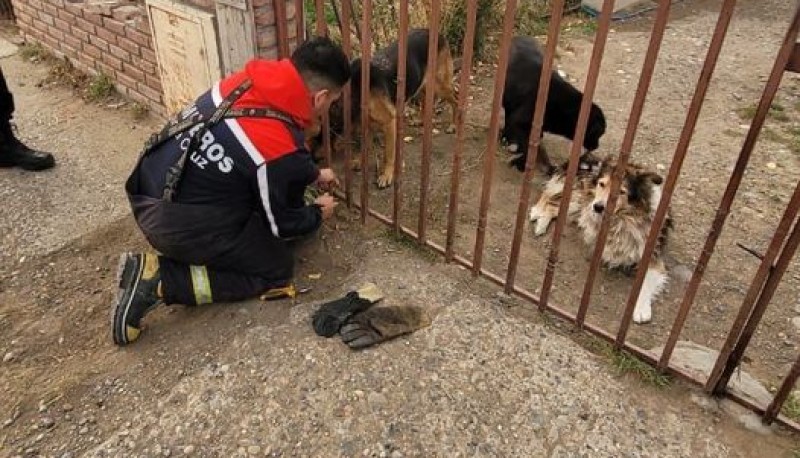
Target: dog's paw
<point>385,180</point>
<point>541,226</point>
<point>518,161</point>
<point>536,215</point>
<point>642,314</point>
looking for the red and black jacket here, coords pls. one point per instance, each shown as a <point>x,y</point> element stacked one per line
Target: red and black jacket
<point>261,164</point>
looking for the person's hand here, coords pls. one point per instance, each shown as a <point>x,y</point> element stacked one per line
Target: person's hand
<point>327,179</point>
<point>326,203</point>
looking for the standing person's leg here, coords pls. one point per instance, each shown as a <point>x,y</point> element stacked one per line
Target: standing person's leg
<point>14,153</point>
<point>256,263</point>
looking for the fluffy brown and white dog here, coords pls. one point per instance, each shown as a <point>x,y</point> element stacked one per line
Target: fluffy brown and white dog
<point>638,200</point>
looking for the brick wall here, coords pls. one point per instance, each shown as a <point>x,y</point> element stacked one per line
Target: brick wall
<point>113,37</point>
<point>98,37</point>
<point>267,32</point>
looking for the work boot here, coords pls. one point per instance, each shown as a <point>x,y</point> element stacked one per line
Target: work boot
<point>14,153</point>
<point>138,279</point>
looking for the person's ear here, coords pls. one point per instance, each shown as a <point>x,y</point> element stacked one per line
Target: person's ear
<point>320,97</point>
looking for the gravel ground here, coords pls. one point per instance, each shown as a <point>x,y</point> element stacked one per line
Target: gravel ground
<point>83,192</point>
<point>487,378</point>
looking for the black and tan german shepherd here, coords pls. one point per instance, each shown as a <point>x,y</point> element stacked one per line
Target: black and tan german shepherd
<point>383,92</point>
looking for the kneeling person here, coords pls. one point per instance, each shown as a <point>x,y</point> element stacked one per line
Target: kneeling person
<point>219,192</point>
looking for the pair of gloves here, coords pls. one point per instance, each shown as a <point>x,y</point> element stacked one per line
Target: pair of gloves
<point>360,325</point>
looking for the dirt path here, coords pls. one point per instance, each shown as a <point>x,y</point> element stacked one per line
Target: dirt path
<point>756,31</point>
<point>253,379</point>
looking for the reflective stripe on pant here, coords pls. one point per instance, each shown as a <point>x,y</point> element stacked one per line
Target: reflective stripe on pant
<point>255,263</point>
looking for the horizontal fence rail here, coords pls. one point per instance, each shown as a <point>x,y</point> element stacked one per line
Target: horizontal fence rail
<point>359,39</point>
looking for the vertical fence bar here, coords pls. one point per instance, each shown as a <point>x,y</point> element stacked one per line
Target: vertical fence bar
<point>648,67</point>
<point>400,108</point>
<point>347,108</point>
<point>463,95</point>
<point>774,407</point>
<point>366,143</point>
<point>299,20</point>
<point>322,24</point>
<point>724,209</point>
<point>773,280</point>
<point>427,117</point>
<point>696,105</point>
<point>556,14</point>
<point>280,25</point>
<point>494,131</point>
<point>604,24</point>
<point>322,31</point>
<point>713,384</point>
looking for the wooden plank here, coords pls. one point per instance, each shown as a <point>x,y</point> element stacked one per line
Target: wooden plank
<point>240,4</point>
<point>186,51</point>
<point>237,39</point>
<point>794,60</point>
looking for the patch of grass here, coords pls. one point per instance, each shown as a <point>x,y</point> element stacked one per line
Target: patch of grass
<point>411,244</point>
<point>772,135</point>
<point>585,24</point>
<point>100,87</point>
<point>791,408</point>
<point>794,140</point>
<point>624,363</point>
<point>139,111</point>
<point>747,113</point>
<point>34,51</point>
<point>454,25</point>
<point>732,133</point>
<point>776,112</point>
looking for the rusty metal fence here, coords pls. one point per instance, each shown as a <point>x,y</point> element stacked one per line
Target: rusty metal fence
<point>774,261</point>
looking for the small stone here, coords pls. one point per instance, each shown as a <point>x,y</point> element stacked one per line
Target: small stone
<point>83,430</point>
<point>9,357</point>
<point>48,422</point>
<point>188,450</point>
<point>254,449</point>
<point>772,165</point>
<point>66,407</point>
<point>396,454</point>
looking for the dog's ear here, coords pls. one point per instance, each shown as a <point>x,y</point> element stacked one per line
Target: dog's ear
<point>654,178</point>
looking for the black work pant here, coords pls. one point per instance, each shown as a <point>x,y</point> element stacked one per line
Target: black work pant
<point>255,262</point>
<point>6,100</point>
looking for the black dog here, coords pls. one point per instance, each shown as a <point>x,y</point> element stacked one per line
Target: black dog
<point>383,93</point>
<point>561,113</point>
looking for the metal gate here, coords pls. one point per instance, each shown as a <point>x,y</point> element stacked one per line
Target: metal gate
<point>774,261</point>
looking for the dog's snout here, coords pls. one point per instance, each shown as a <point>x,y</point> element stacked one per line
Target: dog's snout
<point>599,207</point>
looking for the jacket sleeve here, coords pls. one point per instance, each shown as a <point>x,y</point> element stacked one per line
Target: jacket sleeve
<point>281,186</point>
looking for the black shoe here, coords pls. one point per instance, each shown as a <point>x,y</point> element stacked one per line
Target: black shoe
<point>14,153</point>
<point>138,278</point>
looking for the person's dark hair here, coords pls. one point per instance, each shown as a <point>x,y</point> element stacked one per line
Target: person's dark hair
<point>322,64</point>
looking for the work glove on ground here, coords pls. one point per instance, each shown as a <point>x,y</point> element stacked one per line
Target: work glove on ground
<point>380,324</point>
<point>330,317</point>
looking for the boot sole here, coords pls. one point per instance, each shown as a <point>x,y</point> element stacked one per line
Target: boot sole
<point>31,167</point>
<point>127,282</point>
